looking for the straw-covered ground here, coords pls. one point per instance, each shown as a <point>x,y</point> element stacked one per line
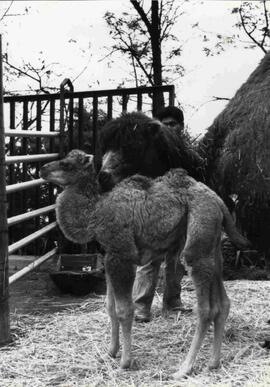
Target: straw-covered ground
<point>62,341</point>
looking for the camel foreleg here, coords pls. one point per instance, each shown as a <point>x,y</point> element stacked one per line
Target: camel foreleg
<point>120,277</point>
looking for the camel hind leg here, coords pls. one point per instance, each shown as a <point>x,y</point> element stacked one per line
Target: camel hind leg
<point>221,304</point>
<point>202,285</point>
<point>203,259</point>
<point>212,306</point>
<point>110,304</point>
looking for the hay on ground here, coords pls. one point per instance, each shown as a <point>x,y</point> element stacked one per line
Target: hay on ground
<point>69,348</point>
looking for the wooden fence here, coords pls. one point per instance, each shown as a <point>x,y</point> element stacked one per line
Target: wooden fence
<point>42,128</point>
<point>4,289</point>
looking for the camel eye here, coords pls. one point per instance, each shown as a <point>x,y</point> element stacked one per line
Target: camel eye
<point>65,165</point>
<point>86,160</point>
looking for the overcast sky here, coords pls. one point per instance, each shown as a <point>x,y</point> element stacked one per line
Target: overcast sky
<point>73,34</point>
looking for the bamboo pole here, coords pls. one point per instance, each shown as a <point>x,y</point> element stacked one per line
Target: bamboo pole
<point>4,280</point>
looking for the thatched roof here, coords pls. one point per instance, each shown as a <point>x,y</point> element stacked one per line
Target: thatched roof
<point>237,149</point>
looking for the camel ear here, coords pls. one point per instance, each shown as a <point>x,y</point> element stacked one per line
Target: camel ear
<point>154,127</point>
<point>86,147</point>
<point>88,160</point>
<point>90,157</point>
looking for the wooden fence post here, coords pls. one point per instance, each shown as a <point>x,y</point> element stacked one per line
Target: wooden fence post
<point>4,274</point>
<point>65,82</point>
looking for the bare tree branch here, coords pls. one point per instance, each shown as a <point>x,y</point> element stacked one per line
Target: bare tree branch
<point>220,98</point>
<point>82,71</point>
<point>249,33</point>
<point>6,11</point>
<point>142,14</point>
<point>140,37</point>
<point>135,72</point>
<point>266,29</point>
<point>129,48</point>
<point>19,70</point>
<point>108,55</point>
<point>134,54</point>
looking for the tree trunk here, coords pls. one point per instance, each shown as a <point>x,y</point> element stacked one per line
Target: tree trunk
<point>158,98</point>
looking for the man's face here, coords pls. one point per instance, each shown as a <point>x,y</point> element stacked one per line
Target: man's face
<point>172,123</point>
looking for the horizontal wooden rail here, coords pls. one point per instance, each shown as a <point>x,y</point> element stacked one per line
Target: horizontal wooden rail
<point>32,266</point>
<point>22,186</point>
<point>29,215</point>
<point>29,133</point>
<point>31,158</point>
<point>90,93</point>
<point>30,238</point>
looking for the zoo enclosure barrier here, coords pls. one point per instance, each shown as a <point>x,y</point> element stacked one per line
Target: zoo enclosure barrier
<point>42,128</point>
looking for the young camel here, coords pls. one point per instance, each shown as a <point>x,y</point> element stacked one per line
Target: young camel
<point>139,220</point>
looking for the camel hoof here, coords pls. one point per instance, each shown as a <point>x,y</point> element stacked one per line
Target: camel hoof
<point>125,364</point>
<point>214,364</point>
<point>180,374</point>
<point>134,365</point>
<point>113,352</point>
<point>130,364</point>
<point>265,344</point>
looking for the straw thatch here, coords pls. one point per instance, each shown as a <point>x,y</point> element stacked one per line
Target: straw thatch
<point>236,147</point>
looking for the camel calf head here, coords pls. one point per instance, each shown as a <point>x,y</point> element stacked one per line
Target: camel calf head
<point>75,166</point>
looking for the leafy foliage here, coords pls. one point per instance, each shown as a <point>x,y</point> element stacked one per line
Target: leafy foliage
<point>254,19</point>
<point>134,35</point>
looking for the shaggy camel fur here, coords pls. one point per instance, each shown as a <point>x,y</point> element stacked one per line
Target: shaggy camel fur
<point>139,220</point>
<point>135,143</point>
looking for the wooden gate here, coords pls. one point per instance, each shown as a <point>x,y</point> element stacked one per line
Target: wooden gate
<point>42,128</point>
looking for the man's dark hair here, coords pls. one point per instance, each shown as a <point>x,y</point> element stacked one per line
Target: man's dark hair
<point>171,111</point>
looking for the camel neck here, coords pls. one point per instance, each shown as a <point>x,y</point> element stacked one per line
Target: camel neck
<point>75,211</point>
<point>87,187</point>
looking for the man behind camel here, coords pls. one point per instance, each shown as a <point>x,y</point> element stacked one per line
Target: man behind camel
<point>147,276</point>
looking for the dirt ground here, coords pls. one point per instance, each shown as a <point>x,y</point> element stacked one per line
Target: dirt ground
<point>36,293</point>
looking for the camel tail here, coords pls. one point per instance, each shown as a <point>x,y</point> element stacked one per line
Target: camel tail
<point>235,236</point>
